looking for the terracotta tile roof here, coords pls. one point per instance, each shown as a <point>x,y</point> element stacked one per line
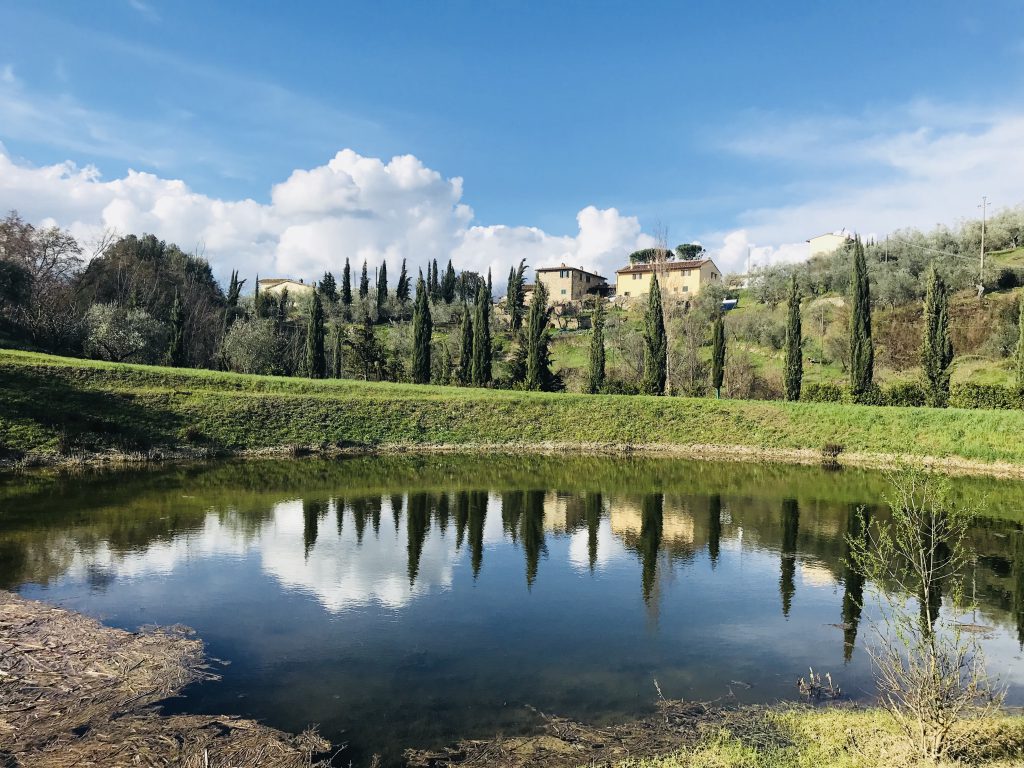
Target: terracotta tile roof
<point>566,266</point>
<point>668,265</point>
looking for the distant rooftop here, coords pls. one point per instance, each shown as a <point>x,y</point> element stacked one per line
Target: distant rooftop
<point>667,265</point>
<point>566,266</point>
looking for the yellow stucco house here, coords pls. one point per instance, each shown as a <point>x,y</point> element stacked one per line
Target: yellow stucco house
<point>678,279</point>
<point>565,283</point>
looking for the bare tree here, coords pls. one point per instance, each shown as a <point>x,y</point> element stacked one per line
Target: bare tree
<point>929,666</point>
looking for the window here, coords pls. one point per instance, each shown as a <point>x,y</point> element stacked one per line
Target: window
<point>686,289</point>
<point>588,278</point>
<point>686,273</point>
<point>636,276</point>
<point>563,273</point>
<point>563,291</point>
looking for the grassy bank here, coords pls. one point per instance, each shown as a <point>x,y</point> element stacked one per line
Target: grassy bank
<point>52,407</point>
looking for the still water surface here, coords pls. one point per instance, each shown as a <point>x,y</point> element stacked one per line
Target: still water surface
<point>412,601</point>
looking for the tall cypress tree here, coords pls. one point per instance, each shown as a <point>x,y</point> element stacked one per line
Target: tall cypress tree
<point>282,310</point>
<point>595,380</point>
<point>538,358</point>
<point>794,344</point>
<point>655,343</point>
<point>433,284</point>
<point>422,328</point>
<point>231,310</point>
<point>466,348</point>
<point>329,288</point>
<point>176,350</point>
<point>316,359</point>
<point>481,373</point>
<point>515,296</point>
<point>338,358</point>
<point>346,284</point>
<point>448,284</point>
<point>718,355</point>
<point>402,287</point>
<point>382,285</point>
<point>364,282</point>
<point>862,351</point>
<point>936,349</point>
<point>1020,344</point>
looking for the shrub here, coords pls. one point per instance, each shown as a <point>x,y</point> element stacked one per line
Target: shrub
<point>985,396</point>
<point>822,393</point>
<point>907,394</point>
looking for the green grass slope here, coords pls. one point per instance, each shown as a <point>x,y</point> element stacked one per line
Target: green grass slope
<point>51,406</point>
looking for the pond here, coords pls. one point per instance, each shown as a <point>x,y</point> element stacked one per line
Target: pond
<point>414,600</point>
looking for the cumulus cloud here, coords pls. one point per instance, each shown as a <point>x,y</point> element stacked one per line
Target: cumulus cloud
<point>357,207</point>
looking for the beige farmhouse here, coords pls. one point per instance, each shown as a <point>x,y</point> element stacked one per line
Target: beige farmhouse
<point>822,245</point>
<point>565,284</point>
<point>678,279</point>
<point>277,285</point>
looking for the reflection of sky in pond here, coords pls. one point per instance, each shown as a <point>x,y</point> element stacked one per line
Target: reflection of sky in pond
<point>413,618</point>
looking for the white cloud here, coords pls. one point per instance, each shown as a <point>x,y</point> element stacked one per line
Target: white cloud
<point>354,206</point>
<point>927,164</point>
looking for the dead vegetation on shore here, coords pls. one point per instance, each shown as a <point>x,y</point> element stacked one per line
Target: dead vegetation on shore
<point>76,693</point>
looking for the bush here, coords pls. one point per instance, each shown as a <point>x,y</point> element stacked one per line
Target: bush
<point>906,394</point>
<point>985,396</point>
<point>822,393</point>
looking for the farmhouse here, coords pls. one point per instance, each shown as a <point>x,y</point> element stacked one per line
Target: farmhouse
<point>678,279</point>
<point>565,284</point>
<point>276,285</point>
<point>822,245</point>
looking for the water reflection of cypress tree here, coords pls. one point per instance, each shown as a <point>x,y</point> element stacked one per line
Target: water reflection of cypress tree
<point>652,521</point>
<point>417,521</point>
<point>593,503</point>
<point>531,532</point>
<point>853,581</point>
<point>461,517</point>
<point>442,512</point>
<point>396,509</point>
<point>511,510</point>
<point>932,587</point>
<point>714,528</point>
<point>359,513</point>
<point>312,511</point>
<point>477,514</point>
<point>790,529</point>
<point>1018,584</point>
<point>376,504</point>
<point>339,514</point>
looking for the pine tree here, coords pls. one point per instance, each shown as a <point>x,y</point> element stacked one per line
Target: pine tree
<point>448,284</point>
<point>936,349</point>
<point>422,327</point>
<point>718,355</point>
<point>402,288</point>
<point>481,374</point>
<point>346,284</point>
<point>382,285</point>
<point>338,358</point>
<point>515,297</point>
<point>794,344</point>
<point>364,283</point>
<point>176,351</point>
<point>466,349</point>
<point>595,381</point>
<point>655,343</point>
<point>862,352</point>
<point>329,288</point>
<point>316,358</point>
<point>538,358</point>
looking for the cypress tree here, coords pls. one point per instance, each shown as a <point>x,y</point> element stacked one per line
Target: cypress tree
<point>422,327</point>
<point>718,354</point>
<point>282,310</point>
<point>433,285</point>
<point>231,303</point>
<point>538,360</point>
<point>481,373</point>
<point>448,284</point>
<point>402,288</point>
<point>329,288</point>
<point>516,296</point>
<point>346,284</point>
<point>655,343</point>
<point>338,358</point>
<point>936,349</point>
<point>1020,344</point>
<point>862,352</point>
<point>316,359</point>
<point>176,350</point>
<point>382,285</point>
<point>794,345</point>
<point>466,348</point>
<point>364,283</point>
<point>596,379</point>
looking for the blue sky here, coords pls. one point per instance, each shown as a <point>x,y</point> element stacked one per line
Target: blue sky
<point>774,120</point>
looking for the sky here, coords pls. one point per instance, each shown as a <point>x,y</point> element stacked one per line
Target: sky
<point>281,138</point>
